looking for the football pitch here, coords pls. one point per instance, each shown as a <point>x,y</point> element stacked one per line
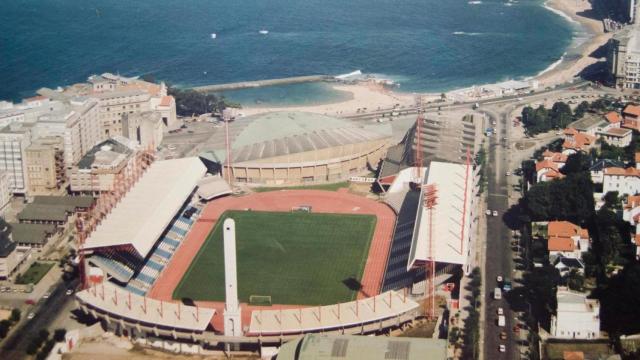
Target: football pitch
<point>293,257</point>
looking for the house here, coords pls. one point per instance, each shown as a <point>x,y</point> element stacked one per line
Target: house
<point>549,167</point>
<point>565,265</point>
<point>576,317</point>
<point>616,136</point>
<point>597,169</point>
<point>631,214</point>
<point>637,159</point>
<point>631,117</point>
<point>613,118</point>
<point>590,124</point>
<point>547,170</point>
<point>624,181</point>
<point>575,141</point>
<point>566,239</point>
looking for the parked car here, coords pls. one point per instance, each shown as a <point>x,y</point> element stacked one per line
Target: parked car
<point>502,348</point>
<point>503,335</point>
<point>495,213</point>
<point>31,316</point>
<point>488,212</point>
<point>500,311</point>
<point>69,292</point>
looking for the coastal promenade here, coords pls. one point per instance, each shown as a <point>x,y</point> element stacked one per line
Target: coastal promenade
<point>259,83</point>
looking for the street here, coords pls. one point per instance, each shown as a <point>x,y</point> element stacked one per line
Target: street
<point>46,312</point>
<point>498,256</point>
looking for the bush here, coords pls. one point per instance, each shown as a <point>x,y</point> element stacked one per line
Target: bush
<point>59,334</point>
<point>15,315</point>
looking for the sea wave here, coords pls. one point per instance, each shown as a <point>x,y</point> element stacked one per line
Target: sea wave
<point>466,33</point>
<point>475,2</point>
<point>549,68</point>
<point>560,13</point>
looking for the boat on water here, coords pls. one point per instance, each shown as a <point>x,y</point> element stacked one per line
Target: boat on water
<point>214,35</point>
<point>476,2</point>
<point>263,32</point>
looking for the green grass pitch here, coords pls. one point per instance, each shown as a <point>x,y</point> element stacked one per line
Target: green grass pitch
<point>296,258</point>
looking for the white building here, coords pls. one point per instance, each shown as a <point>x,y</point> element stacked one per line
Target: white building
<point>5,190</point>
<point>631,214</point>
<point>624,181</point>
<point>82,129</point>
<point>14,140</point>
<point>147,128</point>
<point>597,169</point>
<point>97,170</point>
<point>577,317</point>
<point>451,224</point>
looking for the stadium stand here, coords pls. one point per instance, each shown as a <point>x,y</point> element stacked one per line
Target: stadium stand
<point>162,253</point>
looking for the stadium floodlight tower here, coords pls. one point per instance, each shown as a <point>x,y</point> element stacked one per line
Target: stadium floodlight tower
<point>232,319</point>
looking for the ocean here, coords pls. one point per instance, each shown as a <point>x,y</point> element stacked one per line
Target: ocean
<point>425,45</point>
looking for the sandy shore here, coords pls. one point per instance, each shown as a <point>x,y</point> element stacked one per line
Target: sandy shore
<point>364,96</point>
<point>578,11</point>
<point>371,96</point>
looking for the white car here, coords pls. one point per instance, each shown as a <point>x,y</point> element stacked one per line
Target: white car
<point>46,295</point>
<point>488,212</point>
<point>499,278</point>
<point>502,348</point>
<point>495,213</point>
<point>508,173</point>
<point>31,316</point>
<point>69,292</point>
<point>500,311</point>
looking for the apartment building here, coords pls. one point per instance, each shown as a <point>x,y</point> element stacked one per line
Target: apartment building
<point>5,191</point>
<point>82,129</point>
<point>14,140</point>
<point>97,171</point>
<point>146,128</point>
<point>45,166</point>
<point>624,59</point>
<point>577,317</point>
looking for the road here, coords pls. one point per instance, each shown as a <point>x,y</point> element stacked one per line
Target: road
<point>498,256</point>
<point>46,312</point>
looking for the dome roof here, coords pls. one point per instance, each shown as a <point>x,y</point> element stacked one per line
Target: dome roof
<point>289,132</point>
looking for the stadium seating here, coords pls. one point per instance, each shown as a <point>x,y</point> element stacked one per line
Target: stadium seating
<point>163,252</point>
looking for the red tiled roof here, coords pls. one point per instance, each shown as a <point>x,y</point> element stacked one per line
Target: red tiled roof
<point>546,164</point>
<point>618,171</point>
<point>561,244</point>
<point>166,100</point>
<point>632,110</point>
<point>618,132</point>
<point>637,239</point>
<point>613,117</point>
<point>576,140</point>
<point>565,229</point>
<point>632,201</point>
<point>556,157</point>
<point>637,157</point>
<point>572,355</point>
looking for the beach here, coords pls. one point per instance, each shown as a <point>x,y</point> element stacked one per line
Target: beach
<point>577,59</point>
<point>372,96</point>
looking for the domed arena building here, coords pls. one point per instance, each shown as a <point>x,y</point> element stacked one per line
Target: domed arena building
<point>297,148</point>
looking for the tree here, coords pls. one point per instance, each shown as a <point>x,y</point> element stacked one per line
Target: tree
<point>612,201</point>
<point>59,334</point>
<point>620,300</point>
<point>15,315</point>
<point>190,102</point>
<point>570,199</point>
<point>561,115</point>
<point>576,163</point>
<point>575,280</point>
<point>4,328</point>
<point>581,109</point>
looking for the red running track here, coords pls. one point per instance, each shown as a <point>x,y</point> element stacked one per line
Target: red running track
<point>284,200</point>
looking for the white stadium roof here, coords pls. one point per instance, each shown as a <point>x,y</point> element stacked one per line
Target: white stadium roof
<point>148,208</point>
<point>449,216</point>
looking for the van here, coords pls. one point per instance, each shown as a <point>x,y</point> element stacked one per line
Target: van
<point>501,321</point>
<point>497,293</point>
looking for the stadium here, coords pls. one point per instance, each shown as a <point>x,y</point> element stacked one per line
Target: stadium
<point>296,148</point>
<point>307,260</point>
